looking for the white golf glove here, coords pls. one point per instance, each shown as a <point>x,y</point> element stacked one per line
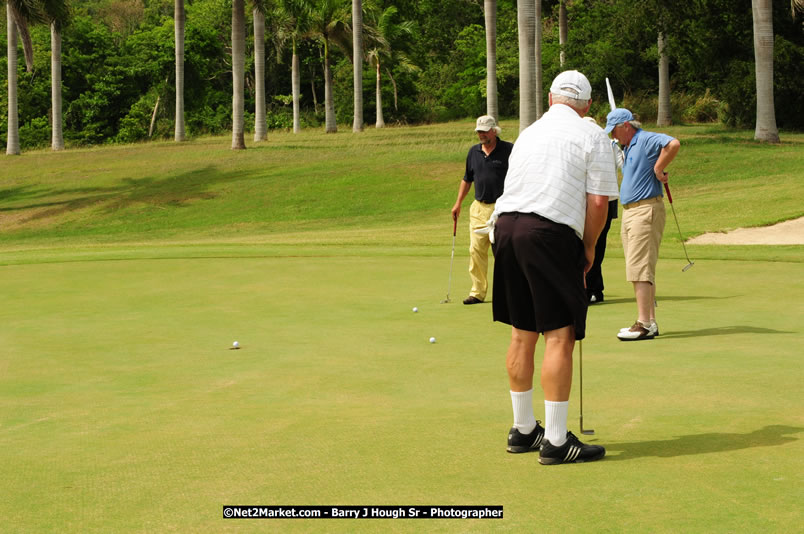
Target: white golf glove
<point>489,228</point>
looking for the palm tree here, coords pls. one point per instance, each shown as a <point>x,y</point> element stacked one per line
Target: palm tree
<point>665,116</point>
<point>383,35</point>
<point>763,55</point>
<point>357,63</point>
<point>293,23</point>
<point>178,30</point>
<point>238,73</point>
<point>57,131</point>
<point>562,31</point>
<point>525,14</point>
<point>13,135</point>
<point>328,24</point>
<point>18,15</point>
<point>260,126</point>
<point>538,58</point>
<point>490,12</point>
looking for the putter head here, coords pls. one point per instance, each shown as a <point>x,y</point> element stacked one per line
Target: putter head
<point>586,431</point>
<point>690,264</point>
<point>445,301</point>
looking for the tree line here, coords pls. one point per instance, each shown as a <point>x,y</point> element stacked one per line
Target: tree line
<point>101,71</point>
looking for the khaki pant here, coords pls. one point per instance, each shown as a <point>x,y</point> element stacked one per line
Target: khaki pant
<point>479,245</point>
<point>641,231</point>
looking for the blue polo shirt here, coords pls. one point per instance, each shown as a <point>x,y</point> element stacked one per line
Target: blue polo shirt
<point>639,180</point>
<point>488,172</point>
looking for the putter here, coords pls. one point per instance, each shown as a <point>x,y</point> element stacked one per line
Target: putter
<point>690,263</point>
<point>451,259</point>
<point>587,431</point>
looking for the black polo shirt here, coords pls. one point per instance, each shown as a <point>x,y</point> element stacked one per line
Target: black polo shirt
<point>488,172</point>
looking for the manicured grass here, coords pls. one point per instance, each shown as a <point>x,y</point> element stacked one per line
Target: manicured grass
<point>124,409</point>
<point>127,273</point>
<point>389,178</point>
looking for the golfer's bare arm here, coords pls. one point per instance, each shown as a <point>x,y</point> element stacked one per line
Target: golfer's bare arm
<point>665,157</point>
<point>463,190</point>
<point>597,209</point>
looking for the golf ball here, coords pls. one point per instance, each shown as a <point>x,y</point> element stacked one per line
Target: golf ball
<point>432,340</point>
<point>235,344</point>
<point>415,309</point>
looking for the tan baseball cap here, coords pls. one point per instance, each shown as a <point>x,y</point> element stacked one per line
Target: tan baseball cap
<point>486,123</point>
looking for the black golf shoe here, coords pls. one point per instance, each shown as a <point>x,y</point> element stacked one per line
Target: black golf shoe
<point>519,442</point>
<point>472,300</point>
<point>572,451</point>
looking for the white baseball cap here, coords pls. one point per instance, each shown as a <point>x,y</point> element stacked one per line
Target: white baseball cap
<point>572,84</point>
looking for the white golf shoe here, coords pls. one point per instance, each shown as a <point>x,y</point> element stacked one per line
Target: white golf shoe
<point>638,332</point>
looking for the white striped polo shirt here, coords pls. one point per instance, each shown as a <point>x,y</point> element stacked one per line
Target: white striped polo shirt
<point>555,162</point>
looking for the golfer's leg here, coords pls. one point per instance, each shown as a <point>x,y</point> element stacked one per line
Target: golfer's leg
<point>520,377</point>
<point>519,360</point>
<point>478,251</point>
<point>643,291</point>
<point>557,363</point>
<point>557,382</point>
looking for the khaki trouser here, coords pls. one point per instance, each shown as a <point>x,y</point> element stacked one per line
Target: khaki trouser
<point>479,213</point>
<point>641,232</point>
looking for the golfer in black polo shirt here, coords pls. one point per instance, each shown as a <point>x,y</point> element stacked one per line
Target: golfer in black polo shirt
<point>486,166</point>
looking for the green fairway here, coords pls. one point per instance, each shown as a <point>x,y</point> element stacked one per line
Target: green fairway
<point>127,273</point>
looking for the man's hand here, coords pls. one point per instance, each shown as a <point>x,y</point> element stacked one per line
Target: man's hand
<point>589,252</point>
<point>661,175</point>
<point>456,212</point>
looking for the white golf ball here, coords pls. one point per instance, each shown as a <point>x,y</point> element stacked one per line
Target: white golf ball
<point>415,309</point>
<point>235,344</point>
<point>432,340</point>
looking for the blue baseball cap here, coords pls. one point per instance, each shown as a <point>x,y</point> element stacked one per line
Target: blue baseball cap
<point>617,116</point>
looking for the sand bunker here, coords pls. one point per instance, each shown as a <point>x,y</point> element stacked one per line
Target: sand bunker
<point>785,233</point>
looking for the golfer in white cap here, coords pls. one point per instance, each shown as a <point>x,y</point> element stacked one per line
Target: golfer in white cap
<point>556,198</point>
<point>486,166</point>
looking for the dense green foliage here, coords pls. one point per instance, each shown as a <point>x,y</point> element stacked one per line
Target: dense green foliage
<point>118,63</point>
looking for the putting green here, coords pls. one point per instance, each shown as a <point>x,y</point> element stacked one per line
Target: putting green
<point>123,409</point>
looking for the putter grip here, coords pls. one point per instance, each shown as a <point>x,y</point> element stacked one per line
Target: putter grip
<point>669,196</point>
<point>454,227</point>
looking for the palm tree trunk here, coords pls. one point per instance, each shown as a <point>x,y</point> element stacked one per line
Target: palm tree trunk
<point>490,11</point>
<point>562,31</point>
<point>295,84</point>
<point>312,89</point>
<point>153,117</point>
<point>527,71</point>
<point>13,135</point>
<point>763,56</point>
<point>396,91</point>
<point>57,136</point>
<point>380,123</point>
<point>179,18</point>
<point>329,103</point>
<point>260,126</point>
<point>238,73</point>
<point>357,63</point>
<point>538,58</point>
<point>665,115</point>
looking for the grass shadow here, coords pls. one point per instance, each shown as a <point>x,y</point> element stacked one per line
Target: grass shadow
<point>769,436</point>
<point>174,190</point>
<point>721,331</point>
<point>660,299</point>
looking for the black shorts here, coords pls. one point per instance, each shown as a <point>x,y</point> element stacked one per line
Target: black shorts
<point>538,274</point>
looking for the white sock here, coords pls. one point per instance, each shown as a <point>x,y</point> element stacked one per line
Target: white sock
<point>555,419</point>
<point>524,420</point>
